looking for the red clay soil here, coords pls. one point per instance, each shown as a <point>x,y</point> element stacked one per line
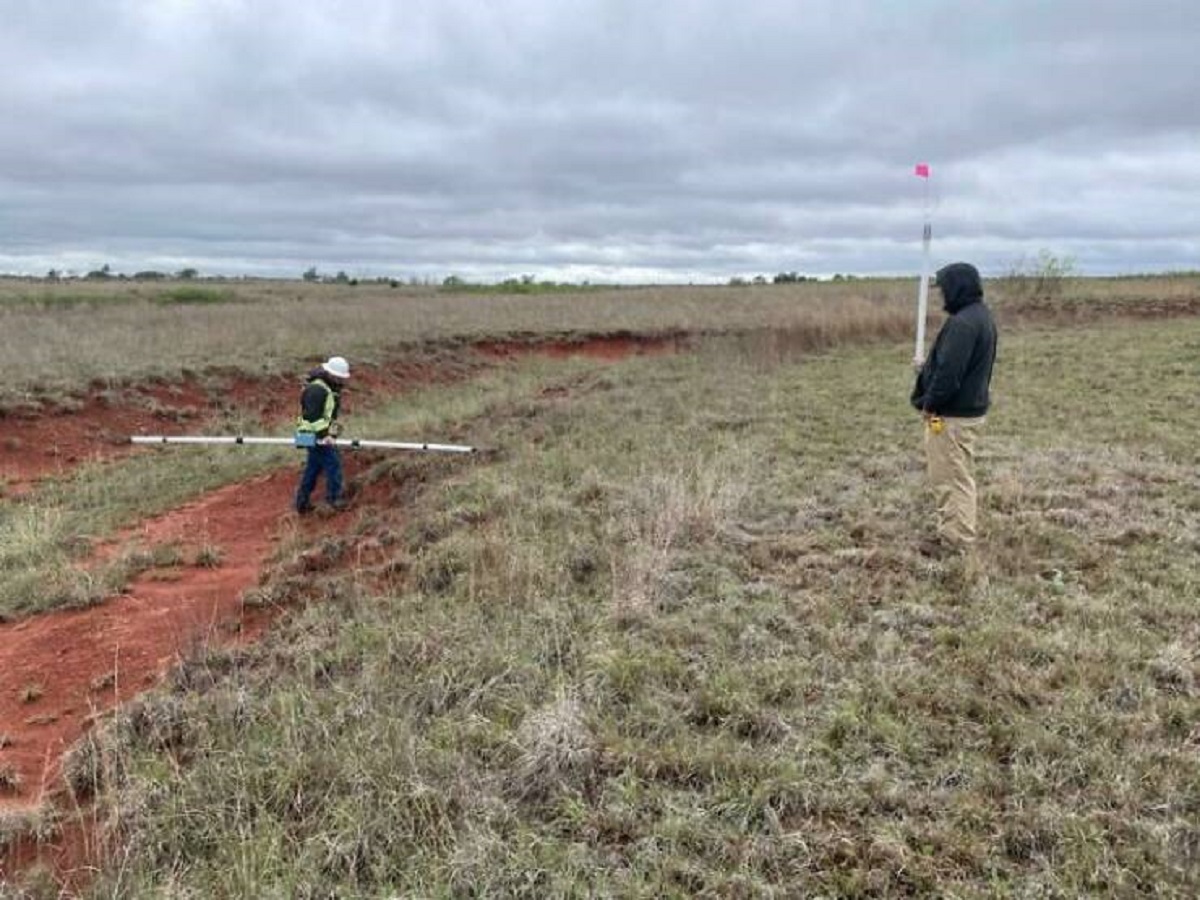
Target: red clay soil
<point>97,426</point>
<point>59,670</point>
<point>611,347</point>
<point>74,856</point>
<point>54,443</point>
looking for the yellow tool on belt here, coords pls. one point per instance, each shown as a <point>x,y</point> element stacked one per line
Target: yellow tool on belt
<point>936,424</point>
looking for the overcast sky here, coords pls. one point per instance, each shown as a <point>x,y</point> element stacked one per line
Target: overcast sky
<point>606,140</point>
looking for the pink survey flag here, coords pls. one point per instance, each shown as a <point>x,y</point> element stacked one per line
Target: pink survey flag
<point>922,170</point>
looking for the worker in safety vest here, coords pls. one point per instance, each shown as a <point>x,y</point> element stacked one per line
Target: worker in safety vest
<point>316,429</point>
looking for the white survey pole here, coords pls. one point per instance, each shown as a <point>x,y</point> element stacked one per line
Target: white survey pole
<point>923,297</point>
<point>351,443</point>
<point>922,171</point>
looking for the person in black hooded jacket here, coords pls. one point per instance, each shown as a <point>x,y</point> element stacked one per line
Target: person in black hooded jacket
<point>952,395</point>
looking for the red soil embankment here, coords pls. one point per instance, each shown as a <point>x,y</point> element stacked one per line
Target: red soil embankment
<point>60,670</point>
<point>98,425</point>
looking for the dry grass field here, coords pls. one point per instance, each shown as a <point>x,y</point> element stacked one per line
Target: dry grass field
<point>75,334</point>
<point>672,637</point>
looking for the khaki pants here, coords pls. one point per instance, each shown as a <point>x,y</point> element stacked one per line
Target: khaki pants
<point>950,456</point>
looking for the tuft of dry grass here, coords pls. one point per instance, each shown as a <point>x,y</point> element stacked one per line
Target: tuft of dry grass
<point>208,556</point>
<point>31,693</point>
<point>558,750</point>
<point>683,506</point>
<point>19,824</point>
<point>10,778</point>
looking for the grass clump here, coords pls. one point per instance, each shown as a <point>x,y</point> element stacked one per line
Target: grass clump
<point>22,824</point>
<point>10,778</point>
<point>31,693</point>
<point>208,556</point>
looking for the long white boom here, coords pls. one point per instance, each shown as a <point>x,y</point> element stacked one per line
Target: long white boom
<point>352,443</point>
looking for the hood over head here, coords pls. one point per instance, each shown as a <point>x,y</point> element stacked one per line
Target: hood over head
<point>961,285</point>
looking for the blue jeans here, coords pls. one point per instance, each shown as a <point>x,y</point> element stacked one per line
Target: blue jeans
<point>320,459</point>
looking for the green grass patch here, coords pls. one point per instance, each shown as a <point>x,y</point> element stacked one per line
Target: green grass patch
<point>518,286</point>
<point>58,300</point>
<point>191,294</point>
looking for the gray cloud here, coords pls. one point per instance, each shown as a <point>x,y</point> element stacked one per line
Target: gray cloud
<point>611,139</point>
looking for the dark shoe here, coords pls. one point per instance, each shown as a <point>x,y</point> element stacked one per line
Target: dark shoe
<point>303,509</point>
<point>339,505</point>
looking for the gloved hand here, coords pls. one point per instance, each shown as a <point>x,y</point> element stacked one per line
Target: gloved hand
<point>327,442</point>
<point>335,429</point>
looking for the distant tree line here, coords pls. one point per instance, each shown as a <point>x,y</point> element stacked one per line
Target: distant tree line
<point>105,272</point>
<point>312,276</point>
<point>522,284</point>
<point>781,278</point>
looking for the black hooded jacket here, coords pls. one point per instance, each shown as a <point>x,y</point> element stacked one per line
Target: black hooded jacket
<point>955,378</point>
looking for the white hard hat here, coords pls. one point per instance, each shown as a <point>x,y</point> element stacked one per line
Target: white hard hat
<point>337,367</point>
